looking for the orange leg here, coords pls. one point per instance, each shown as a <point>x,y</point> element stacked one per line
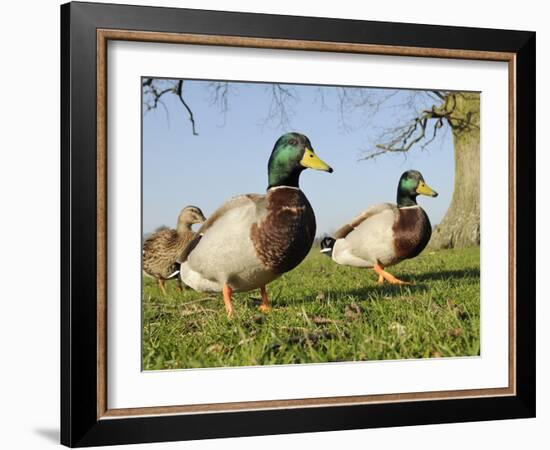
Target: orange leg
<point>162,287</point>
<point>379,269</point>
<point>179,285</point>
<point>227,292</point>
<point>380,279</point>
<point>264,307</point>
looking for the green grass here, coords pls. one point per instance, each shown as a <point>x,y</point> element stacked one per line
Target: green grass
<point>322,312</point>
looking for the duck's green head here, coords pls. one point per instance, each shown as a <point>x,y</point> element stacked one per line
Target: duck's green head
<point>411,184</point>
<point>292,154</point>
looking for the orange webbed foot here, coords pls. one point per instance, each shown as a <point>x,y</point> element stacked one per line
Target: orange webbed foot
<point>383,275</point>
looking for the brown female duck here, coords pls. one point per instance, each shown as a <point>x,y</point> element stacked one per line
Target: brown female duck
<point>163,248</point>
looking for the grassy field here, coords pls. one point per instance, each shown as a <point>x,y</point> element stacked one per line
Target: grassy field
<point>322,312</point>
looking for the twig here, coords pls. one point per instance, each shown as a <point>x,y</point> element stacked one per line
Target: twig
<point>184,103</point>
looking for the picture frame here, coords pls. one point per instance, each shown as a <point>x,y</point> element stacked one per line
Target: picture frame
<point>86,418</point>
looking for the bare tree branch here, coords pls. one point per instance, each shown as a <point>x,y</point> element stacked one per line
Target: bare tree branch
<point>281,107</point>
<point>436,127</point>
<point>191,117</point>
<point>402,138</point>
<point>219,96</point>
<point>438,94</point>
<point>357,107</point>
<point>320,98</point>
<point>152,94</point>
<point>154,91</point>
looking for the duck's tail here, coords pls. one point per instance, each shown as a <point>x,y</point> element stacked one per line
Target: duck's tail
<point>327,244</point>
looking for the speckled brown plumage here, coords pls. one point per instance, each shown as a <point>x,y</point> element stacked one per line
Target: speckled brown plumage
<point>161,251</point>
<point>285,236</point>
<point>163,248</point>
<point>412,231</point>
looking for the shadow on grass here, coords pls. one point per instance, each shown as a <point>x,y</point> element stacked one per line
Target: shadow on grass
<point>385,290</point>
<point>419,284</point>
<point>461,274</point>
<point>368,291</point>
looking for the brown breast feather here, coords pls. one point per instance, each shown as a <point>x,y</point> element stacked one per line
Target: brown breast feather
<point>283,238</point>
<point>412,231</point>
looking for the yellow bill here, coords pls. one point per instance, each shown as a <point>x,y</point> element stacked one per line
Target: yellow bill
<point>312,161</point>
<point>424,189</point>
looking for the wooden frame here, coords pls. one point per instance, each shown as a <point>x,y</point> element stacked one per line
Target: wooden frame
<point>86,418</point>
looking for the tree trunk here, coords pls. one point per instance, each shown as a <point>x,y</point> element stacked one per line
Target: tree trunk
<point>461,225</point>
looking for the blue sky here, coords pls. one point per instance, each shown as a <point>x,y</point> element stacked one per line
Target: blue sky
<point>229,156</point>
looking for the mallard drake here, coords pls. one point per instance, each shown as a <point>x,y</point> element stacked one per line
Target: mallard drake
<point>385,234</point>
<point>253,239</point>
<point>163,248</point>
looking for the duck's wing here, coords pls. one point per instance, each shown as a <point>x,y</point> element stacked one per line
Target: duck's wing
<point>368,238</point>
<point>155,240</point>
<point>240,201</point>
<point>372,211</point>
<point>160,251</point>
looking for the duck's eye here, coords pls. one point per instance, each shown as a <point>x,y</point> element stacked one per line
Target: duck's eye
<point>293,142</point>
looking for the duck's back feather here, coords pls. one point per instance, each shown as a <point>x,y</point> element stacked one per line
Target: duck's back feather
<point>343,231</point>
<point>161,251</point>
<point>249,204</point>
<point>249,241</point>
<point>382,234</point>
<point>370,239</point>
<point>223,252</point>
